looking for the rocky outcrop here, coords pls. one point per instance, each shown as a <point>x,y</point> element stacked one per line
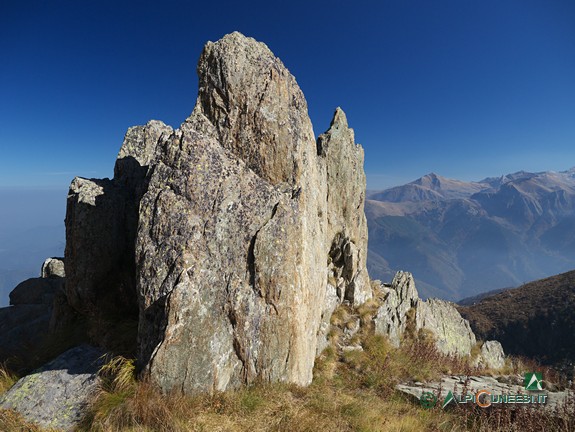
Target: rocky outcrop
<point>346,226</point>
<point>25,324</point>
<point>234,228</point>
<point>101,224</point>
<point>459,386</point>
<point>22,328</point>
<point>53,268</point>
<point>398,299</point>
<point>453,335</point>
<point>491,355</point>
<point>56,395</point>
<point>36,291</point>
<point>39,323</point>
<point>41,291</point>
<point>235,235</point>
<point>401,303</point>
<point>346,222</point>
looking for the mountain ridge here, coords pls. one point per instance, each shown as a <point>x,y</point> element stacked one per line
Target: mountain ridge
<point>463,238</point>
<point>533,320</point>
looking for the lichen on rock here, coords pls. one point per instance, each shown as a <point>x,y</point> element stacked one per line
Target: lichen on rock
<point>451,332</point>
<point>57,395</point>
<point>223,233</point>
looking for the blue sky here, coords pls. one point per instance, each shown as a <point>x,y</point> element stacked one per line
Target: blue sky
<point>464,88</point>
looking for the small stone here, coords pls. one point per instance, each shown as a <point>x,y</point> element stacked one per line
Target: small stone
<point>350,348</point>
<point>53,267</point>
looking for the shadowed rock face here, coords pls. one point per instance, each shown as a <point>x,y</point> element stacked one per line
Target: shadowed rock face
<point>227,229</point>
<point>101,224</point>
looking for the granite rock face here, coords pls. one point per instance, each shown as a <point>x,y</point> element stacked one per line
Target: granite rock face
<point>56,395</point>
<point>235,235</point>
<point>452,333</point>
<point>235,230</point>
<point>399,298</point>
<point>347,224</point>
<point>491,355</point>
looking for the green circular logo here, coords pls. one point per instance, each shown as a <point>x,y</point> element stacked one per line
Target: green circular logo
<point>428,400</point>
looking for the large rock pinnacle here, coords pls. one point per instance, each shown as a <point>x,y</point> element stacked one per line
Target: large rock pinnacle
<point>240,232</point>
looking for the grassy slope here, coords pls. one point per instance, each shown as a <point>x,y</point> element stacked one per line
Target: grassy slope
<point>536,320</point>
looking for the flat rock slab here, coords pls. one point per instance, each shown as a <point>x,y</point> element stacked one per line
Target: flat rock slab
<point>504,385</point>
<point>57,394</point>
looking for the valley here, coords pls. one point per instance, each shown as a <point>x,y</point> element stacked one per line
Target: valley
<point>463,238</point>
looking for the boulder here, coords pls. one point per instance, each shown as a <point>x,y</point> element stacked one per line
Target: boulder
<point>491,355</point>
<point>36,291</point>
<point>23,328</point>
<point>398,299</point>
<point>452,333</point>
<point>56,395</point>
<point>53,268</point>
<point>25,325</point>
<point>236,229</point>
<point>498,386</point>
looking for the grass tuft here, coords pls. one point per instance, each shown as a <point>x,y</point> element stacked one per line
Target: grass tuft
<point>7,379</point>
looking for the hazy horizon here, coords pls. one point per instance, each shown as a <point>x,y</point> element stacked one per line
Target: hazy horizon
<point>38,213</point>
<point>31,229</point>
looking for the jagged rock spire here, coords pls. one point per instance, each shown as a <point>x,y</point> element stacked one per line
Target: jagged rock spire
<point>235,223</point>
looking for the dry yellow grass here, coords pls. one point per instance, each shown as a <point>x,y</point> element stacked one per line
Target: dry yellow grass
<point>318,408</point>
<point>13,422</point>
<point>7,379</point>
<point>351,391</point>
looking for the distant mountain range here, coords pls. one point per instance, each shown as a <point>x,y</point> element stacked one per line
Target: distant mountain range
<point>463,238</point>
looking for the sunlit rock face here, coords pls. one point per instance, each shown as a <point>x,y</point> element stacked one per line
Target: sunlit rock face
<point>401,306</point>
<point>235,236</point>
<point>238,226</point>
